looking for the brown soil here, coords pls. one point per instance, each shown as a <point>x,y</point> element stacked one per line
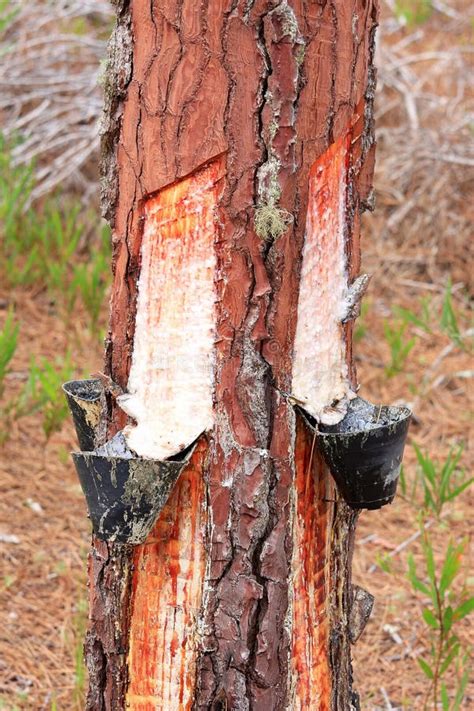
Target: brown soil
<point>42,575</point>
<point>433,383</point>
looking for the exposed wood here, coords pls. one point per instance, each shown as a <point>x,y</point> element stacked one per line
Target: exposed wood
<point>269,88</point>
<point>166,598</point>
<point>320,372</point>
<point>311,565</point>
<point>170,385</point>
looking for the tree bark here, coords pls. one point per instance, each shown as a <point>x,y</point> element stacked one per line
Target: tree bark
<point>238,153</point>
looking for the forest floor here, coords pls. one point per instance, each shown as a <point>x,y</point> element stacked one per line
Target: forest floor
<point>44,531</point>
<point>412,346</point>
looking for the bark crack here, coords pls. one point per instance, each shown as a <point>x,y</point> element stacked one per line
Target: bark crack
<point>332,111</point>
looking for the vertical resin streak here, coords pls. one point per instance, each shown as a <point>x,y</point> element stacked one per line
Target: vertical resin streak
<point>310,669</point>
<point>167,593</point>
<point>170,384</point>
<point>320,373</point>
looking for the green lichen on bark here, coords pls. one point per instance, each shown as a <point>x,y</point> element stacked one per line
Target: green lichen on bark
<point>271,221</point>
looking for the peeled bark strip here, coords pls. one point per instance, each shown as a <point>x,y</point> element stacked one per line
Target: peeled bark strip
<point>271,92</point>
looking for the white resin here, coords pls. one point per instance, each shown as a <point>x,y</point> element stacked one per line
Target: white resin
<point>170,386</point>
<point>320,373</point>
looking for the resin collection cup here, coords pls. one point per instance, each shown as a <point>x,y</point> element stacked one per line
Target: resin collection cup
<point>364,452</point>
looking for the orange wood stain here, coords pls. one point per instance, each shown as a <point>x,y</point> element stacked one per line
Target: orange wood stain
<point>310,640</point>
<point>166,596</point>
<point>327,200</point>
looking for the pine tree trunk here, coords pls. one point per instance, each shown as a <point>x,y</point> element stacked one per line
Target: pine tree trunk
<point>237,157</point>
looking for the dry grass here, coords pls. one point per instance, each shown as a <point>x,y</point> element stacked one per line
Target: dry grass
<point>417,238</point>
<point>425,160</point>
<point>50,95</point>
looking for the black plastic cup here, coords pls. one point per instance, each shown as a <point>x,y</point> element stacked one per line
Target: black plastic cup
<point>125,493</point>
<point>83,397</point>
<point>364,452</point>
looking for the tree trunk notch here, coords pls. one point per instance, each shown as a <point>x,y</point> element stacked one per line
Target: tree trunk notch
<point>240,598</point>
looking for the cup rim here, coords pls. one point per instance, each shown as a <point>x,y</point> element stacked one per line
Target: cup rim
<point>78,396</point>
<point>403,411</point>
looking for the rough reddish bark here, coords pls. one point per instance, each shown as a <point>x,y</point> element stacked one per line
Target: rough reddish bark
<point>269,88</point>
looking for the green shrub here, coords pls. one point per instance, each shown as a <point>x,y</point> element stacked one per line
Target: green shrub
<point>42,246</point>
<point>8,344</point>
<point>43,393</point>
<point>442,481</point>
<point>413,12</point>
<point>443,610</point>
<point>400,347</point>
<point>449,319</point>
